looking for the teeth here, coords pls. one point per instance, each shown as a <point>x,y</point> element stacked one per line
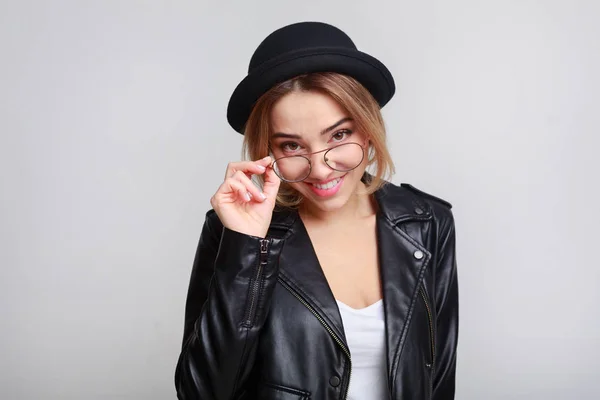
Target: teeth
<point>328,185</point>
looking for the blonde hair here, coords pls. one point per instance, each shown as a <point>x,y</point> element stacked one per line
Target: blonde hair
<point>356,101</point>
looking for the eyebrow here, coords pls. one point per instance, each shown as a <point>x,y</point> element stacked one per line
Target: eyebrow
<point>277,135</point>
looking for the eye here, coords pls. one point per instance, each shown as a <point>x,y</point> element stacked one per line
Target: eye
<point>341,135</point>
<point>290,147</point>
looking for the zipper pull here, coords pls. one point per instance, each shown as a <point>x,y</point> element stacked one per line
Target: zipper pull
<point>264,250</point>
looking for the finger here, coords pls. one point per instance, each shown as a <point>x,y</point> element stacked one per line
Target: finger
<point>254,191</point>
<point>271,185</point>
<point>241,191</point>
<point>266,161</point>
<point>247,167</point>
<point>233,188</point>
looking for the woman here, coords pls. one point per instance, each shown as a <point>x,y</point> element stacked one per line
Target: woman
<point>329,282</point>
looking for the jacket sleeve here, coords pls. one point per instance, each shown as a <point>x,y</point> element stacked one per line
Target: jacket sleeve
<point>446,299</point>
<point>231,284</point>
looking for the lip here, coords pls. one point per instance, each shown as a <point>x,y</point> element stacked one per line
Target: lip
<point>327,192</point>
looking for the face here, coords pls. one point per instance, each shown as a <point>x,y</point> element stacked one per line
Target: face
<point>308,122</point>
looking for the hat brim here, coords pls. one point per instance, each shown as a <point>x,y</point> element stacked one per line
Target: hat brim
<point>367,70</point>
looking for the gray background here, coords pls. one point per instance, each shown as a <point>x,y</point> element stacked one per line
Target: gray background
<point>113,138</point>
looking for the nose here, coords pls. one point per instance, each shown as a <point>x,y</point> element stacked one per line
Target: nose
<point>320,171</point>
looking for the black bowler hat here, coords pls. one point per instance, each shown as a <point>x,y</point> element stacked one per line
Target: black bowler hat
<point>303,48</point>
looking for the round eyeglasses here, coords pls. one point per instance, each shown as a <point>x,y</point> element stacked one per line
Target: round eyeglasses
<point>343,158</point>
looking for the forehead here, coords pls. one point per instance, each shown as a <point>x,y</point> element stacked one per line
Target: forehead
<point>305,113</point>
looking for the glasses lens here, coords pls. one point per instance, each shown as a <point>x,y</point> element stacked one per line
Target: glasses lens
<point>292,169</point>
<point>344,157</point>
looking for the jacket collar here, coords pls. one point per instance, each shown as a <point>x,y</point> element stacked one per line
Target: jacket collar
<point>396,204</point>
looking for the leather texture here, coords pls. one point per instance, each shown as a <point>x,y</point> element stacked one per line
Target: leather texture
<point>261,321</point>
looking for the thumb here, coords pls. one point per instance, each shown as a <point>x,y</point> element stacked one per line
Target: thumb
<point>272,182</point>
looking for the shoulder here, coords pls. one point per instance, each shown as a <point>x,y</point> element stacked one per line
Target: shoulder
<point>405,192</point>
<point>441,210</point>
<point>403,199</point>
<point>427,196</point>
<point>406,202</point>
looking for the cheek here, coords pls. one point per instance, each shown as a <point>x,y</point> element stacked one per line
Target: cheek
<point>299,187</point>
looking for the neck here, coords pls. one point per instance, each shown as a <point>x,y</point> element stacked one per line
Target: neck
<point>359,206</point>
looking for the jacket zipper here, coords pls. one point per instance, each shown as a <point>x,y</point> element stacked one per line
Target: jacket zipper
<point>431,335</point>
<point>331,333</point>
<point>256,283</point>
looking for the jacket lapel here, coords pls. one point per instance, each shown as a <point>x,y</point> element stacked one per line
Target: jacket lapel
<point>300,269</point>
<point>402,263</point>
<point>401,272</point>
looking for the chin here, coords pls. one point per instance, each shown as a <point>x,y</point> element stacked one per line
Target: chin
<point>333,204</point>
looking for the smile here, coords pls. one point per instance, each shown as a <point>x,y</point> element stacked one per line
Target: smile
<point>328,188</point>
<point>328,185</point>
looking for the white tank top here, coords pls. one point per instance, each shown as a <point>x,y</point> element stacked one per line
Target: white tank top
<point>365,335</point>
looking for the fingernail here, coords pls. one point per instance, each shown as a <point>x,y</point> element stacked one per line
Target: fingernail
<point>263,196</point>
<point>262,168</point>
<point>248,197</point>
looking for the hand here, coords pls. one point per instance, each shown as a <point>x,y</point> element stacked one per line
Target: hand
<point>240,204</point>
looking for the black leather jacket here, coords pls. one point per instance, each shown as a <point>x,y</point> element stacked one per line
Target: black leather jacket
<point>261,321</point>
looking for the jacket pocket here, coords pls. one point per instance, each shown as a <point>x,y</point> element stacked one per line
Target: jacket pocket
<point>430,327</point>
<point>271,391</point>
<point>430,362</point>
